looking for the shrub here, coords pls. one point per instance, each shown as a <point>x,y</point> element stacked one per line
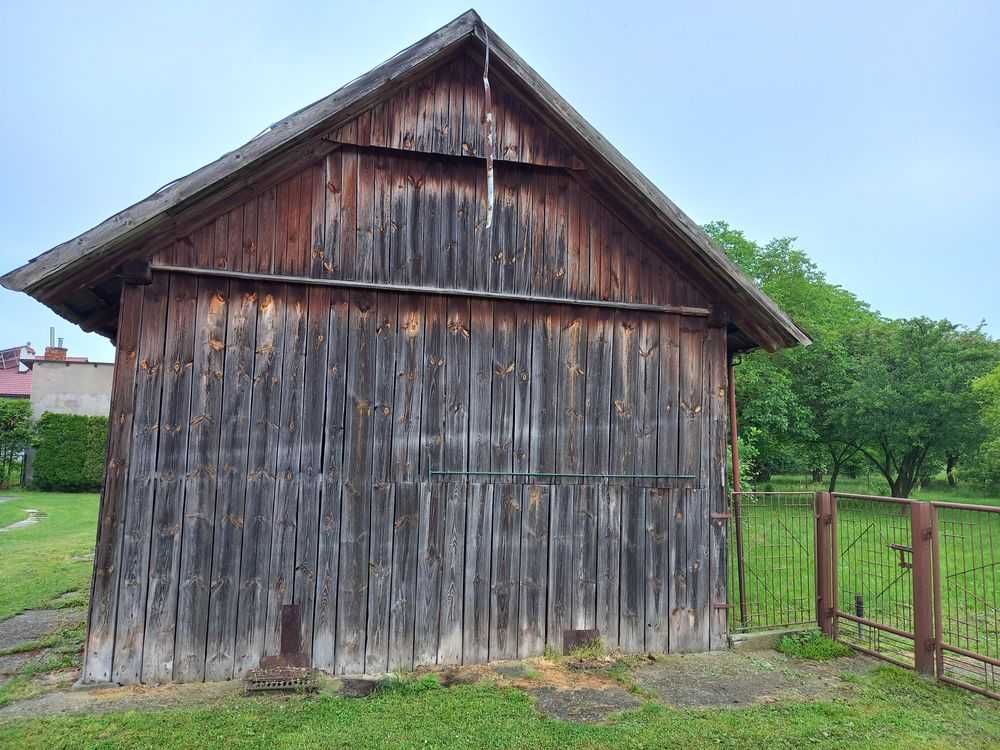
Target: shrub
<point>69,452</point>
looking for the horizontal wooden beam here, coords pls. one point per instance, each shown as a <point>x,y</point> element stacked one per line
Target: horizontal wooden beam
<point>700,312</point>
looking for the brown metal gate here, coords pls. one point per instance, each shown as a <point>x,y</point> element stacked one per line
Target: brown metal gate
<point>915,583</point>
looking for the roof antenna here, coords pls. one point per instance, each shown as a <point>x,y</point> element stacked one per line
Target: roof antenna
<point>490,130</point>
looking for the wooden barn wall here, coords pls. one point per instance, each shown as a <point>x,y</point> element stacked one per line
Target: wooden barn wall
<point>274,443</point>
<point>395,217</point>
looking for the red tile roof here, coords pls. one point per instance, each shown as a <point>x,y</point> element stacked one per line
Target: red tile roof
<point>14,383</point>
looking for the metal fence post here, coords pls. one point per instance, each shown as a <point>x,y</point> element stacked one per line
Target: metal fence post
<point>824,564</point>
<point>923,587</point>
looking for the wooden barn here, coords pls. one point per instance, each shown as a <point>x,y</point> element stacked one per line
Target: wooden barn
<point>433,362</point>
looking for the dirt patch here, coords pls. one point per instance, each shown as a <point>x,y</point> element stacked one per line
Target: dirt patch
<point>37,623</point>
<point>135,697</point>
<point>732,679</point>
<point>584,705</point>
<point>11,664</point>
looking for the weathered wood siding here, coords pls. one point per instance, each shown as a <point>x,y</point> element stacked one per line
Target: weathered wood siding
<point>307,430</point>
<point>415,470</point>
<point>373,215</point>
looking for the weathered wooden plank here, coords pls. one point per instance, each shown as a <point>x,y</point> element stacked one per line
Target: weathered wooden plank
<point>283,208</point>
<point>261,466</point>
<point>585,556</point>
<point>668,403</point>
<point>658,528</point>
<point>200,494</point>
<point>526,218</point>
<point>267,208</point>
<point>171,467</point>
<point>502,392</point>
<point>478,550</point>
<point>430,568</point>
<point>400,223</point>
<point>434,404</point>
<point>383,500</point>
<point>316,241</point>
<point>430,242</point>
<point>365,215</point>
<point>238,378</point>
<point>382,219</point>
<point>560,583</point>
<point>521,448</point>
<point>331,265</point>
<point>557,233</point>
<point>334,435</point>
<point>472,111</point>
<point>715,349</point>
<point>303,226</point>
<point>111,516</point>
<point>633,569</point>
<point>597,414</point>
<point>409,374</point>
<point>352,603</point>
<point>506,560</point>
<point>571,388</point>
<point>311,476</point>
<point>697,620</point>
<point>403,596</point>
<point>534,570</point>
<point>230,254</point>
<point>647,369</point>
<point>609,526</point>
<point>288,482</point>
<point>134,567</point>
<point>544,388</point>
<point>480,387</point>
<point>456,447</point>
<point>453,573</point>
<point>348,227</point>
<point>624,387</point>
<point>685,629</point>
<point>385,384</point>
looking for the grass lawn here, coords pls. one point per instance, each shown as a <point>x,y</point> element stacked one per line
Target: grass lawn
<point>52,557</point>
<point>889,709</point>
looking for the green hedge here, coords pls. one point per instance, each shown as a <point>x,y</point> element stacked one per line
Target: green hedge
<point>69,452</point>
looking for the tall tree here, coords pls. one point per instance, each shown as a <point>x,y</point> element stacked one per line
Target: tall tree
<point>911,387</point>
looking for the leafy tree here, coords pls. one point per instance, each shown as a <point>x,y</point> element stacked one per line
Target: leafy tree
<point>791,402</point>
<point>15,434</point>
<point>910,387</point>
<point>984,466</point>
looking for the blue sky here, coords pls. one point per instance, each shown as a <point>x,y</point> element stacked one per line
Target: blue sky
<point>871,131</point>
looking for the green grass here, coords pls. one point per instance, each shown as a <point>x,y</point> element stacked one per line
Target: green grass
<point>889,709</point>
<point>812,645</point>
<point>50,558</point>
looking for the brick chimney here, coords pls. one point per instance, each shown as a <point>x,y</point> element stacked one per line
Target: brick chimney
<point>57,353</point>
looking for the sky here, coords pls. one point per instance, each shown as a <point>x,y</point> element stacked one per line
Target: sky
<point>869,131</point>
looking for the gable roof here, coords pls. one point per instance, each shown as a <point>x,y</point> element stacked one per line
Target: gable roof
<point>46,277</point>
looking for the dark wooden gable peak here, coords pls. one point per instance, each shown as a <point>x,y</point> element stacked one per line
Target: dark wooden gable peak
<point>81,279</point>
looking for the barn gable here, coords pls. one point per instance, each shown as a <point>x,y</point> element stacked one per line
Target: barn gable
<point>81,279</point>
<point>338,387</point>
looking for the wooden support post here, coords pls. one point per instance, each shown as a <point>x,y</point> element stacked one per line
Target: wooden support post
<point>825,594</point>
<point>923,587</point>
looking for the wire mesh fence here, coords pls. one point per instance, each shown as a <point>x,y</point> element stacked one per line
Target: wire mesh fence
<point>967,593</point>
<point>777,580</point>
<point>912,582</point>
<point>873,575</point>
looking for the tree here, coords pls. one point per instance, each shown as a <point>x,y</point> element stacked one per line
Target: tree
<point>15,434</point>
<point>984,466</point>
<point>791,402</point>
<point>911,390</point>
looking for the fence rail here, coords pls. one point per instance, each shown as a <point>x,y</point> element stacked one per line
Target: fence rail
<point>915,583</point>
